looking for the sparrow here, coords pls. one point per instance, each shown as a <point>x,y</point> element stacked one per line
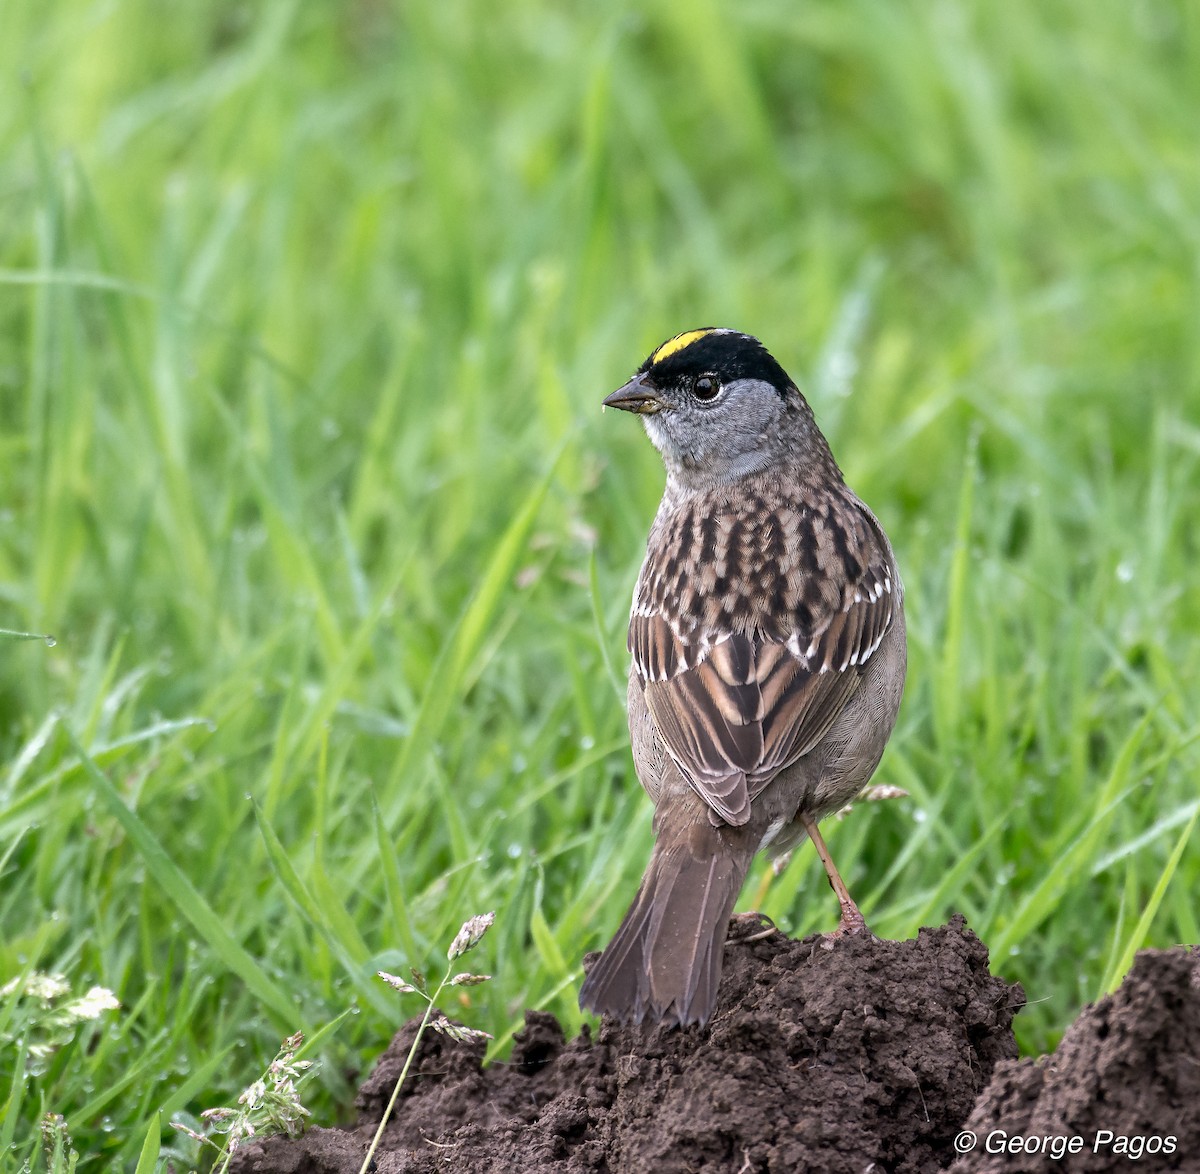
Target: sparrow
<point>768,658</point>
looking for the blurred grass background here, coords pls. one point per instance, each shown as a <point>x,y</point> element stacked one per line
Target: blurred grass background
<point>305,315</point>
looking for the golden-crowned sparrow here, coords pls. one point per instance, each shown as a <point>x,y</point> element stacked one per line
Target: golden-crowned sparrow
<point>767,637</point>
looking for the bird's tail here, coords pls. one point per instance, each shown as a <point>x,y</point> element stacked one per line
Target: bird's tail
<point>664,964</point>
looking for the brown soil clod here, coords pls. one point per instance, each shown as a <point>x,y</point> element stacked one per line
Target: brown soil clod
<point>1125,1081</point>
<point>869,1056</point>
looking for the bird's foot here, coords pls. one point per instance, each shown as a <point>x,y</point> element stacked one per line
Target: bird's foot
<point>852,924</point>
<point>750,927</point>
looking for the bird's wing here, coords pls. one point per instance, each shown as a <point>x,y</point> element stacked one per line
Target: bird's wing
<point>741,690</point>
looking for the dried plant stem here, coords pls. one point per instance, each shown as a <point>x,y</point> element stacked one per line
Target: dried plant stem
<point>467,938</point>
<point>387,1112</point>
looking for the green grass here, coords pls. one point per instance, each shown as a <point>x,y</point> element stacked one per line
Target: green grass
<point>306,312</point>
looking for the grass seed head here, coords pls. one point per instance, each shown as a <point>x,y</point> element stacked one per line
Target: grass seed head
<point>471,934</point>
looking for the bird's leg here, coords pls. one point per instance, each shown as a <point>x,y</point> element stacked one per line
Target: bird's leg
<point>852,921</point>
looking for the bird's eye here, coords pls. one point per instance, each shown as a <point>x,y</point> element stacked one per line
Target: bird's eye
<point>706,387</point>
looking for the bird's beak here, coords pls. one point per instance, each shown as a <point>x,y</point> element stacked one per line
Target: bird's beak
<point>636,396</point>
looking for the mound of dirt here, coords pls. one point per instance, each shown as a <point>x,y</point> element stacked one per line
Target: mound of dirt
<point>864,1056</point>
<point>1122,1089</point>
<point>824,1059</point>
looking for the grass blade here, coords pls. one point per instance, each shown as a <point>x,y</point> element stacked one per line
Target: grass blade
<point>339,933</point>
<point>1138,938</point>
<point>185,896</point>
<point>469,633</point>
<point>148,1158</point>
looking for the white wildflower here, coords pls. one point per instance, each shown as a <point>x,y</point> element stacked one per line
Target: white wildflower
<point>92,1005</point>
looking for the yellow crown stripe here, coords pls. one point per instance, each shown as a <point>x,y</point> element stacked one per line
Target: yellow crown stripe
<point>675,345</point>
